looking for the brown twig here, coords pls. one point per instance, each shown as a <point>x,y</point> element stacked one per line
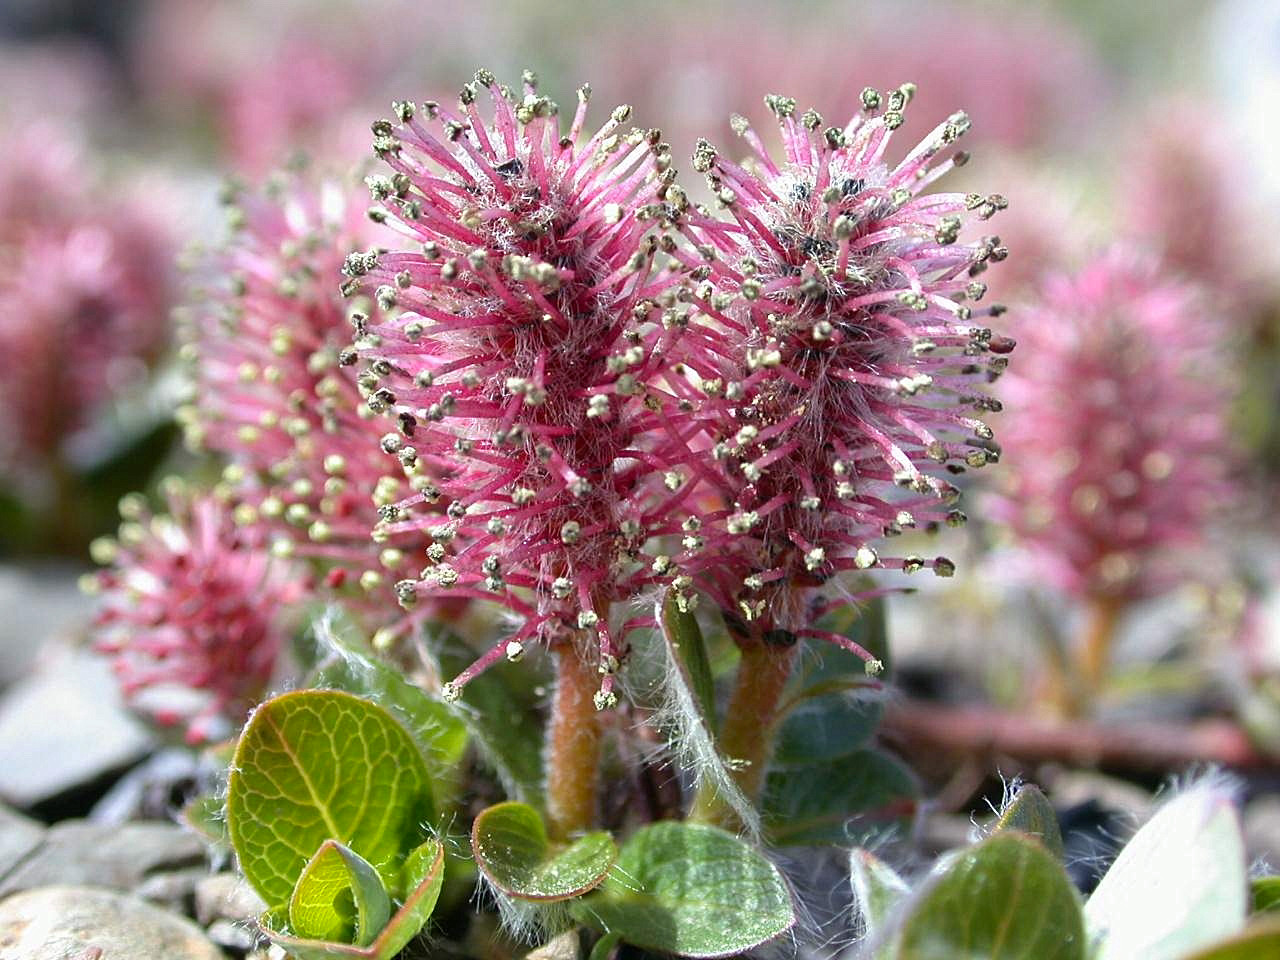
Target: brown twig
<point>986,732</point>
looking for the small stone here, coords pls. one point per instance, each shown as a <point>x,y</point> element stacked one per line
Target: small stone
<point>562,947</point>
<point>174,890</point>
<point>227,896</point>
<point>19,837</point>
<point>40,604</point>
<point>103,855</point>
<point>64,727</point>
<point>239,937</point>
<point>56,923</point>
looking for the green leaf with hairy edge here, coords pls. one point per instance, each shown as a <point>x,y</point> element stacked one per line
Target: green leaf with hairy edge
<point>846,801</point>
<point>1266,894</point>
<point>692,890</point>
<point>319,765</point>
<point>501,715</point>
<point>339,897</point>
<point>1260,941</point>
<point>343,665</point>
<point>421,876</point>
<point>206,814</point>
<point>877,889</point>
<point>1030,812</point>
<point>1005,898</point>
<point>683,637</point>
<point>1179,885</point>
<point>511,848</point>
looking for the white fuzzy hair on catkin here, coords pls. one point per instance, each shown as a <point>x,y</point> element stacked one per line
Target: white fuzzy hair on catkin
<point>687,732</point>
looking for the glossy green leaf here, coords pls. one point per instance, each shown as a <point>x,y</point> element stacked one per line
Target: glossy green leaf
<point>339,897</point>
<point>691,890</point>
<point>1030,812</point>
<point>320,765</point>
<point>1006,898</point>
<point>688,651</point>
<point>1260,941</point>
<point>845,801</point>
<point>1266,894</point>
<point>1179,885</point>
<point>877,889</point>
<point>421,876</point>
<point>512,850</point>
<point>344,665</point>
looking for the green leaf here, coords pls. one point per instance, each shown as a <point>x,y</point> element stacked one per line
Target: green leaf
<point>1266,894</point>
<point>500,711</point>
<point>1180,884</point>
<point>825,728</point>
<point>877,889</point>
<point>320,765</point>
<point>686,713</point>
<point>206,814</point>
<point>512,850</point>
<point>339,898</point>
<point>343,665</point>
<point>1260,942</point>
<point>421,876</point>
<point>837,668</point>
<point>605,947</point>
<point>824,716</point>
<point>688,651</point>
<point>845,801</point>
<point>1030,812</point>
<point>692,890</point>
<point>1004,898</point>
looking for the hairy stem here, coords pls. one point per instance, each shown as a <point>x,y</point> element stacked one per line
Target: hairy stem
<point>573,746</point>
<point>746,738</point>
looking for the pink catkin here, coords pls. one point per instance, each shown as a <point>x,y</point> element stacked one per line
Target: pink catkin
<point>524,344</point>
<point>84,296</point>
<point>265,336</point>
<point>193,613</point>
<point>835,356</point>
<point>1118,457</point>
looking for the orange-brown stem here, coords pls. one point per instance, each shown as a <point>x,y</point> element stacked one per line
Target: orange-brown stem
<point>746,738</point>
<point>1093,653</point>
<point>573,746</point>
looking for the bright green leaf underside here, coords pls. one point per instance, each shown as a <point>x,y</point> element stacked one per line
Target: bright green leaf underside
<point>339,897</point>
<point>422,875</point>
<point>692,890</point>
<point>320,765</point>
<point>512,850</point>
<point>1006,898</point>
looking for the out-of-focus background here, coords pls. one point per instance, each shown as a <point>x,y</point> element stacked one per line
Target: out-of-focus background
<point>1147,123</point>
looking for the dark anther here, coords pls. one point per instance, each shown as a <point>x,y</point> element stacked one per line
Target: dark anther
<point>779,638</point>
<point>510,168</point>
